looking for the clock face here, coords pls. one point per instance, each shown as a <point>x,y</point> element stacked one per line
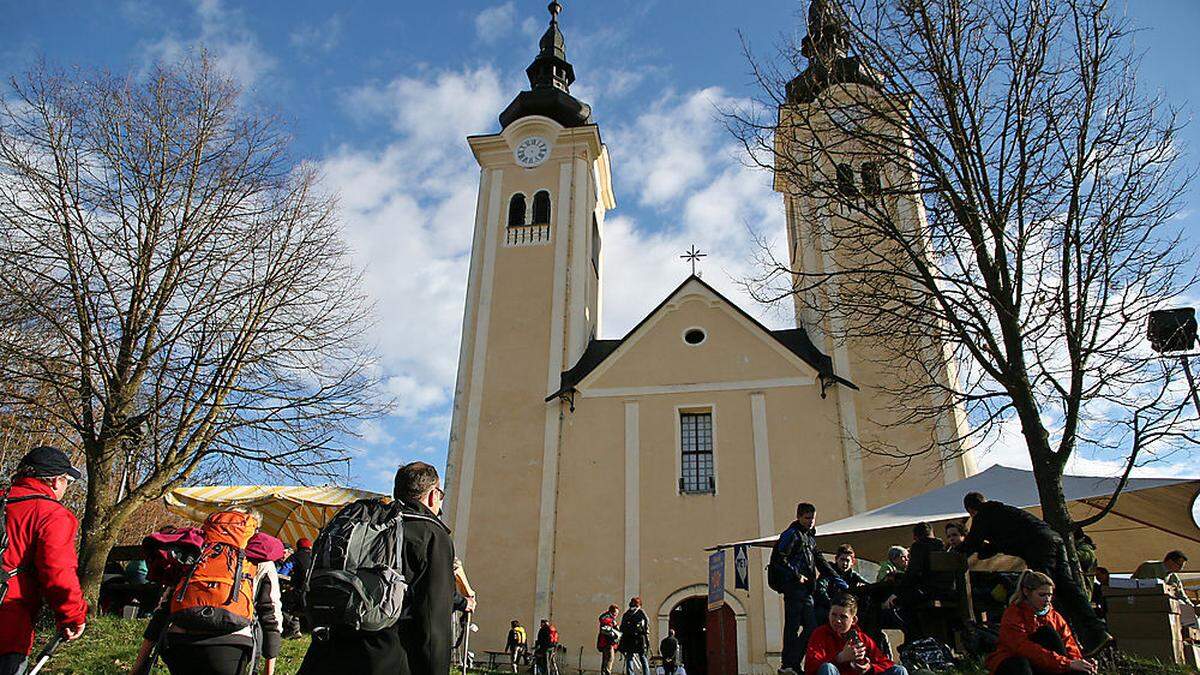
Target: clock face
<point>532,151</point>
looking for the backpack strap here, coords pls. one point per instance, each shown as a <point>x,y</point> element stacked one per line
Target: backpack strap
<point>5,500</point>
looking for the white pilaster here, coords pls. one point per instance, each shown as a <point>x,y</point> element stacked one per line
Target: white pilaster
<point>633,579</point>
<point>466,350</point>
<point>772,620</point>
<point>466,485</point>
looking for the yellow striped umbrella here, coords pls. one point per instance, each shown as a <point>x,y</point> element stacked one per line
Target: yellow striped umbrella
<point>289,512</point>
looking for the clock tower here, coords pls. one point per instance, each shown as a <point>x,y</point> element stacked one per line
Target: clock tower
<point>532,306</point>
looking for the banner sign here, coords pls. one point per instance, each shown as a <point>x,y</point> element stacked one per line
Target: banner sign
<point>716,580</point>
<point>741,567</point>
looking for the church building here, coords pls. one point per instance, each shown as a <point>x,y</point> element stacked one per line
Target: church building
<point>585,470</point>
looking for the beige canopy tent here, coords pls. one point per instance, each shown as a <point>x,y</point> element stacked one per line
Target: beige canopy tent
<point>289,512</point>
<point>1152,516</point>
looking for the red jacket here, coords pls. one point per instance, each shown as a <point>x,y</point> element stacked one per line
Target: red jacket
<point>603,641</point>
<point>41,540</point>
<point>824,646</point>
<point>1016,625</point>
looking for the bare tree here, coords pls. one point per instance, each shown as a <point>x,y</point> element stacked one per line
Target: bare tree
<point>999,195</point>
<point>187,299</point>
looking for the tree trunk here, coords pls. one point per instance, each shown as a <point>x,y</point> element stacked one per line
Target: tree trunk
<point>99,526</point>
<point>93,554</point>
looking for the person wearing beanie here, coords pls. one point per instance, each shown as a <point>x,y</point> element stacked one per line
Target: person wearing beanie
<point>39,559</point>
<point>300,566</point>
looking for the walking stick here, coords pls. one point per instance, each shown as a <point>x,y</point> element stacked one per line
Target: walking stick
<point>46,653</point>
<point>466,653</point>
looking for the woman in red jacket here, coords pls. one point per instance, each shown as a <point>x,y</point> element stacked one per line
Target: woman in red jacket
<point>39,555</point>
<point>1034,638</point>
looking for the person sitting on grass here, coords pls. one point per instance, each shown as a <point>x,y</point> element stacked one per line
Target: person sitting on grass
<point>1034,638</point>
<point>840,647</point>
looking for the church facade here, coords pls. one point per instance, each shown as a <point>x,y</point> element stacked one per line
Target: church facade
<point>584,471</point>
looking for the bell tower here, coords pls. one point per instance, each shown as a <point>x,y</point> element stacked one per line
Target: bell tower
<point>836,156</point>
<point>532,306</point>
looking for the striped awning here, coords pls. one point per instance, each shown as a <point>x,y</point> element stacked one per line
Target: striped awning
<point>289,512</point>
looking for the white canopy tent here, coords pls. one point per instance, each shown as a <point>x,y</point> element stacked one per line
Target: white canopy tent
<point>1151,517</point>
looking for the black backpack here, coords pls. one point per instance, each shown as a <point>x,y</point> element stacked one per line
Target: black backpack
<point>780,575</point>
<point>357,580</point>
<point>7,575</point>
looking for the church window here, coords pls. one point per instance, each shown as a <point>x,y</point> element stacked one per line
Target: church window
<point>870,179</point>
<point>696,447</point>
<point>694,336</point>
<point>516,210</point>
<point>845,179</point>
<point>541,208</point>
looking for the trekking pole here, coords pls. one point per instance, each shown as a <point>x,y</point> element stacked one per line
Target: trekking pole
<point>46,653</point>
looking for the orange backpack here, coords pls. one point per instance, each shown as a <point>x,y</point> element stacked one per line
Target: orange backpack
<point>217,592</point>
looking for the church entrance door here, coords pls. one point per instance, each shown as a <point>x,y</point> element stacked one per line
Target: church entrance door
<point>688,621</point>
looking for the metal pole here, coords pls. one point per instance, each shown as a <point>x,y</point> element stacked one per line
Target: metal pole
<point>1191,382</point>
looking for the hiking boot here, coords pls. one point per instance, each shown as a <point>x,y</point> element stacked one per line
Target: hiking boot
<point>1090,649</point>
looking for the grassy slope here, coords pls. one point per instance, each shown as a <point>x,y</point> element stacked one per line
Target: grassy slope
<point>110,644</point>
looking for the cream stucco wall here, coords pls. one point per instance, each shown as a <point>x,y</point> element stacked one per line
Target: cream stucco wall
<point>560,512</point>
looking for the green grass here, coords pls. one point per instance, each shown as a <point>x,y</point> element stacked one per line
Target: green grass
<point>109,646</point>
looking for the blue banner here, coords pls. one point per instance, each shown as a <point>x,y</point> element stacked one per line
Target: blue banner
<point>716,580</point>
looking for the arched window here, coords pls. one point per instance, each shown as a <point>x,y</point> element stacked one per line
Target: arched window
<point>541,208</point>
<point>870,179</point>
<point>845,179</point>
<point>516,210</point>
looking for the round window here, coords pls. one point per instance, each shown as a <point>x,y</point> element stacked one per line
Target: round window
<point>694,336</point>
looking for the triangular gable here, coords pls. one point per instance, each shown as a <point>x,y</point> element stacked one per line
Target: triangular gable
<point>792,346</point>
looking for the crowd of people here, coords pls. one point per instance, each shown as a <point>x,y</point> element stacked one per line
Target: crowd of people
<point>231,593</point>
<point>822,600</point>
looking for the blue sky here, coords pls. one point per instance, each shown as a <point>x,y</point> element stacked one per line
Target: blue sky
<point>382,94</point>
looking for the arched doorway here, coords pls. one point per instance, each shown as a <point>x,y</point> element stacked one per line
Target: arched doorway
<point>688,621</point>
<point>699,594</point>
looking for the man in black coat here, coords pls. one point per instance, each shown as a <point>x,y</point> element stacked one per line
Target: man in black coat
<point>420,642</point>
<point>668,649</point>
<point>999,528</point>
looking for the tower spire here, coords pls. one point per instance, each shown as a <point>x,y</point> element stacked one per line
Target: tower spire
<point>550,77</point>
<point>827,49</point>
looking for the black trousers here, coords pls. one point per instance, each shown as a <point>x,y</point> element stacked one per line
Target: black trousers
<point>1019,665</point>
<point>207,659</point>
<point>1068,597</point>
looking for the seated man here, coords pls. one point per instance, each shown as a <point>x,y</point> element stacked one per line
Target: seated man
<point>1167,569</point>
<point>913,584</point>
<point>896,563</point>
<point>833,585</point>
<point>839,647</point>
<point>956,532</point>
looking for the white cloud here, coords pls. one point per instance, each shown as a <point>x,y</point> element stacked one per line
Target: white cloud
<point>677,157</point>
<point>318,37</point>
<point>495,23</point>
<point>408,213</point>
<point>670,149</point>
<point>223,33</point>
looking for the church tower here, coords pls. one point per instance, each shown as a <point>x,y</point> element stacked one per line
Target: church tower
<point>830,173</point>
<point>533,305</point>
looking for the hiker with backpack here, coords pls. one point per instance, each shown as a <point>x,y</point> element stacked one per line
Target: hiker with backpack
<point>608,636</point>
<point>374,613</point>
<point>793,570</point>
<point>37,547</point>
<point>635,637</point>
<point>222,609</point>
